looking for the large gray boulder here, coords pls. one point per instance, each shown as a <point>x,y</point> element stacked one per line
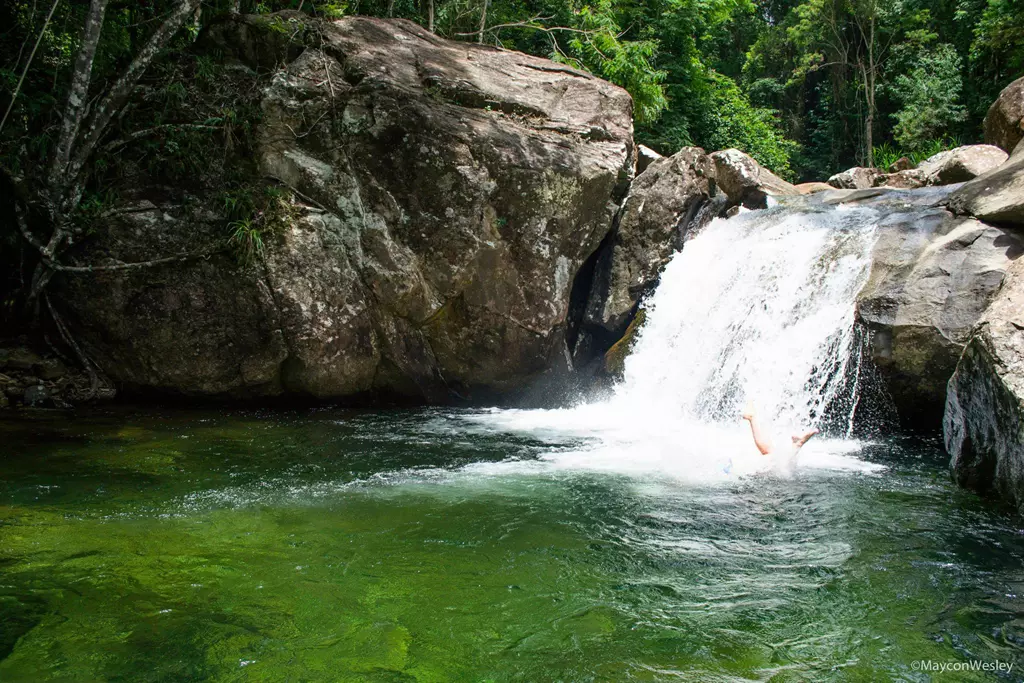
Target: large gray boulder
<point>984,419</point>
<point>745,182</point>
<point>996,196</point>
<point>1004,122</point>
<point>932,277</point>
<point>663,203</point>
<point>961,164</point>
<point>438,200</point>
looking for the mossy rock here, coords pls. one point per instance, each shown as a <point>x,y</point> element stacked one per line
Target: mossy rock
<point>615,357</point>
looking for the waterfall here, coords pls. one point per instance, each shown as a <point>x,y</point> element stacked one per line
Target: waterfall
<point>756,309</point>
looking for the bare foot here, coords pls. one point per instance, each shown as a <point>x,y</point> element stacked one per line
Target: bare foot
<point>801,440</point>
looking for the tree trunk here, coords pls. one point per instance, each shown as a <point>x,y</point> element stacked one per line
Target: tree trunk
<point>77,142</point>
<point>430,15</point>
<point>483,22</point>
<point>78,94</point>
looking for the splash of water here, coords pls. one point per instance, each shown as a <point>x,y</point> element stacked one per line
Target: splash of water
<point>756,309</point>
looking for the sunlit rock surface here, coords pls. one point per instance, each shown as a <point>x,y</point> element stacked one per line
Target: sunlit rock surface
<point>984,419</point>
<point>444,198</point>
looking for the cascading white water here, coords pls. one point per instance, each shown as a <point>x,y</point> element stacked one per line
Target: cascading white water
<point>758,308</point>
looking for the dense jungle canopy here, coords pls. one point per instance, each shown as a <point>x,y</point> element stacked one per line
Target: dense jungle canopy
<point>807,87</point>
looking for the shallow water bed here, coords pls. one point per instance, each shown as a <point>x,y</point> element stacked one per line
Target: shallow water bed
<point>447,546</point>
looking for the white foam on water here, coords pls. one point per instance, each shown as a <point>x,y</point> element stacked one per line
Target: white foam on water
<point>756,309</point>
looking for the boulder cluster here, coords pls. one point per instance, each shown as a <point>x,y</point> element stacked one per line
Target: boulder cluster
<point>462,223</point>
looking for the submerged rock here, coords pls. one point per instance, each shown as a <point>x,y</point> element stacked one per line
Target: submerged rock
<point>663,204</point>
<point>984,419</point>
<point>996,196</point>
<point>1004,122</point>
<point>932,277</point>
<point>439,199</point>
<point>745,182</point>
<point>961,164</point>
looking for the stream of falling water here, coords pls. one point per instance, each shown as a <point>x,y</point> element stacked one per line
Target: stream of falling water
<point>756,310</point>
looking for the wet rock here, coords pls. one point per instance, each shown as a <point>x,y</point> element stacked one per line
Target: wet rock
<point>901,164</point>
<point>50,369</point>
<point>442,197</point>
<point>1004,122</point>
<point>811,188</point>
<point>645,156</point>
<point>932,277</point>
<point>909,179</point>
<point>856,178</point>
<point>996,196</point>
<point>662,205</point>
<point>745,182</point>
<point>961,164</point>
<point>983,425</point>
<point>21,359</point>
<point>36,396</point>
<point>615,357</point>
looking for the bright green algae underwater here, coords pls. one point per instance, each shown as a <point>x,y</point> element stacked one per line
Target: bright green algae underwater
<point>355,546</point>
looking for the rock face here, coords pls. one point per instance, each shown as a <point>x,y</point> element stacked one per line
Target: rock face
<point>645,156</point>
<point>663,203</point>
<point>745,182</point>
<point>442,197</point>
<point>908,179</point>
<point>856,178</point>
<point>961,164</point>
<point>932,277</point>
<point>901,164</point>
<point>984,419</point>
<point>996,196</point>
<point>1004,122</point>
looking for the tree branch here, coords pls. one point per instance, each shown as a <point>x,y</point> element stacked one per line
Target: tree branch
<point>109,105</point>
<point>31,56</point>
<point>133,265</point>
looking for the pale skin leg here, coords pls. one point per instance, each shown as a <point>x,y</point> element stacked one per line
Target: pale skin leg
<point>762,442</point>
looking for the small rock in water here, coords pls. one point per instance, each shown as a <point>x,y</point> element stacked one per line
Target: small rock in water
<point>36,395</point>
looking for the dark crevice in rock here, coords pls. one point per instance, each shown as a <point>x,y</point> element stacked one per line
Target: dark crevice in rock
<point>582,285</point>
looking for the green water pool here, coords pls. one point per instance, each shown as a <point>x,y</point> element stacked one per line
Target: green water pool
<point>382,546</point>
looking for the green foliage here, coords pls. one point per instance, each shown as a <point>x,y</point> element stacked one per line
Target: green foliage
<point>247,240</point>
<point>626,63</point>
<point>929,95</point>
<point>886,154</point>
<point>255,214</point>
